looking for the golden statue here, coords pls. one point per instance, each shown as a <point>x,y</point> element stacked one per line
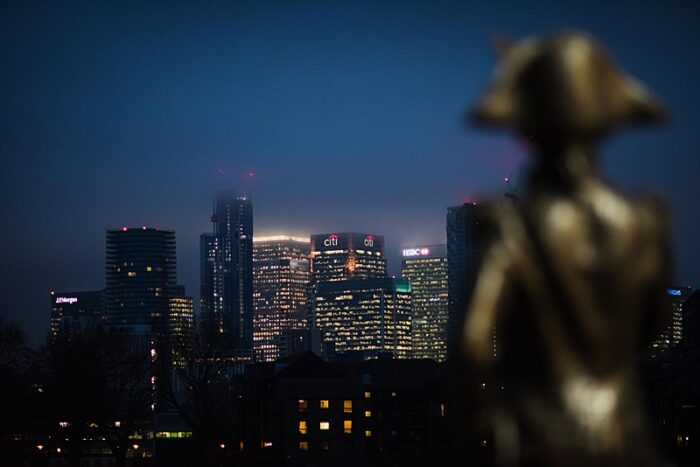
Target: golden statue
<point>574,275</point>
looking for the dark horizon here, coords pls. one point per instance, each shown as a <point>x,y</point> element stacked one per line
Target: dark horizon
<point>340,116</point>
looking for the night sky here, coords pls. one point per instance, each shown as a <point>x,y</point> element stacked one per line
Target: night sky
<point>347,113</point>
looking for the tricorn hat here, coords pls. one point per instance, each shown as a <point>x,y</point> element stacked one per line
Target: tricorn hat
<point>564,85</point>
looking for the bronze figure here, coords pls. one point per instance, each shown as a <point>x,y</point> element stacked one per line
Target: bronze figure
<point>574,275</point>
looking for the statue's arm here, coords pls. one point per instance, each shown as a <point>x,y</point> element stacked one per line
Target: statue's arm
<point>489,299</point>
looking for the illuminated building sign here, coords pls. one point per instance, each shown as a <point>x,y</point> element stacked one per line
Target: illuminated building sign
<point>331,240</point>
<point>416,251</point>
<point>69,300</point>
<point>676,292</point>
<point>347,241</point>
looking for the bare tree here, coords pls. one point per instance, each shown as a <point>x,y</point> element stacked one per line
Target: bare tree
<point>99,388</point>
<point>196,383</point>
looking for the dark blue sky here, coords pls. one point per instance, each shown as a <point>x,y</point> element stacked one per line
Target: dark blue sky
<point>348,113</point>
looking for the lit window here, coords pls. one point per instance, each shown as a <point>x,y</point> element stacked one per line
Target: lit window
<point>368,394</point>
<point>303,429</point>
<point>442,409</point>
<point>131,273</point>
<point>368,433</point>
<point>303,445</point>
<point>347,406</point>
<point>347,426</point>
<point>303,405</point>
<point>368,413</point>
<point>149,269</point>
<point>393,393</point>
<point>324,426</point>
<point>324,404</point>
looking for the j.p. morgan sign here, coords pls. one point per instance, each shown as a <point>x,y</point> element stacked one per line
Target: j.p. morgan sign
<point>68,300</point>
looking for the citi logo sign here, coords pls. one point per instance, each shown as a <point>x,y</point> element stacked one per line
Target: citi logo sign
<point>331,240</point>
<point>369,240</point>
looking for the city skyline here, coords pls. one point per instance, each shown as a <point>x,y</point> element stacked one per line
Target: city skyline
<point>335,116</point>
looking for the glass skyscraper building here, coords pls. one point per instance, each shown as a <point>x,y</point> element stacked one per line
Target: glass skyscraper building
<point>673,334</point>
<point>141,297</point>
<point>354,305</point>
<point>368,316</point>
<point>280,281</point>
<point>464,250</point>
<point>339,256</point>
<point>426,269</point>
<point>227,270</point>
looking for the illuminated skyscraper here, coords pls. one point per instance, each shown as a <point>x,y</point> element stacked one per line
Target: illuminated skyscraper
<point>464,250</point>
<point>141,279</point>
<point>339,256</point>
<point>426,269</point>
<point>181,323</point>
<point>227,270</point>
<point>673,333</point>
<point>142,298</point>
<point>370,316</point>
<point>280,281</point>
<point>75,312</point>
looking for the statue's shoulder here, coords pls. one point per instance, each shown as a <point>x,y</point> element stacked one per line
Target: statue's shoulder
<point>652,214</point>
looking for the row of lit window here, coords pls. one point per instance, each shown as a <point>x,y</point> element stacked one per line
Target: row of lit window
<point>324,426</point>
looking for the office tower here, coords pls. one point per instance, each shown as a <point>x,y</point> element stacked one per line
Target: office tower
<point>181,324</point>
<point>280,280</point>
<point>227,270</point>
<point>464,250</point>
<point>673,334</point>
<point>691,322</point>
<point>141,278</point>
<point>342,256</point>
<point>75,312</point>
<point>426,269</point>
<point>339,256</point>
<point>370,316</point>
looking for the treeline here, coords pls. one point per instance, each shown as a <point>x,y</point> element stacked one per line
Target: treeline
<point>103,390</point>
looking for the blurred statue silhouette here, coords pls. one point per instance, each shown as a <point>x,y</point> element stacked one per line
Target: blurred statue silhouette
<point>574,274</point>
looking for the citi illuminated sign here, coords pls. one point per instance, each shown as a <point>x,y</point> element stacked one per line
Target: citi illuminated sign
<point>331,240</point>
<point>369,241</point>
<point>416,252</point>
<point>69,300</point>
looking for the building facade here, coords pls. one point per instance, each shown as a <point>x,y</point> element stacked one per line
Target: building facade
<point>464,250</point>
<point>340,256</point>
<point>75,312</point>
<point>673,333</point>
<point>365,316</point>
<point>181,324</point>
<point>280,281</point>
<point>142,298</point>
<point>227,270</point>
<point>140,280</point>
<point>425,267</point>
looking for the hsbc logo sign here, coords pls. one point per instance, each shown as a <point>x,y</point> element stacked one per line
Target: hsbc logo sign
<point>416,252</point>
<point>331,240</point>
